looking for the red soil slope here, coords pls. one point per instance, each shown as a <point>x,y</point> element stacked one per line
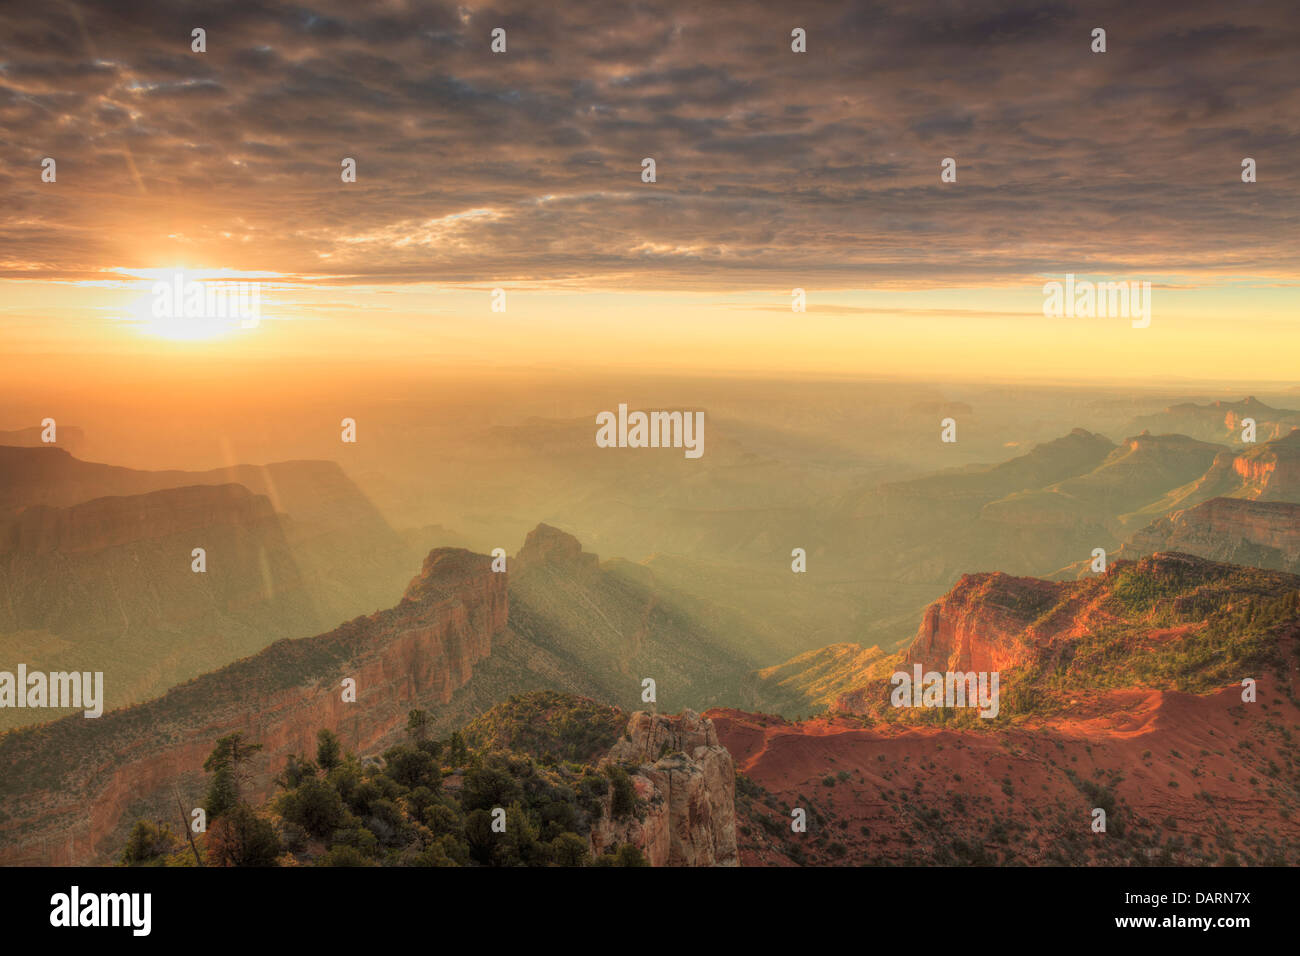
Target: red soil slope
<point>1184,778</point>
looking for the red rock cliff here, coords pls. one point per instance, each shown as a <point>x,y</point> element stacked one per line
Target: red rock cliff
<point>70,788</point>
<point>977,625</point>
<point>985,623</point>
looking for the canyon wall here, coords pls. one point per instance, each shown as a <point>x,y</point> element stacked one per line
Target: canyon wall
<point>1264,534</point>
<point>977,625</point>
<point>114,521</point>
<point>70,789</point>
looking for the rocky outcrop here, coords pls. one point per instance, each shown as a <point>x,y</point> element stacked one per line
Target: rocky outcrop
<point>982,624</point>
<point>979,623</point>
<point>546,545</point>
<point>1272,471</point>
<point>987,622</point>
<point>1000,623</point>
<point>685,784</point>
<point>70,787</point>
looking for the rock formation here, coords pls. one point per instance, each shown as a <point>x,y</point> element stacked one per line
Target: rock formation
<point>546,545</point>
<point>1264,534</point>
<point>977,625</point>
<point>119,520</point>
<point>1271,471</point>
<point>70,787</point>
<point>687,781</point>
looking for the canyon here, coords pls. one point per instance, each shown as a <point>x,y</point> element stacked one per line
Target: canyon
<point>462,638</point>
<point>1163,692</point>
<point>71,786</point>
<point>96,565</point>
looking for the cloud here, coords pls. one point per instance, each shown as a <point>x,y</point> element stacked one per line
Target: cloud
<point>774,169</point>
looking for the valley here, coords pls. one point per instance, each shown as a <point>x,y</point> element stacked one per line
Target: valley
<point>793,669</point>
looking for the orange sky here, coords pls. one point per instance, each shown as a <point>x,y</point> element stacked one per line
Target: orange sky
<point>775,170</point>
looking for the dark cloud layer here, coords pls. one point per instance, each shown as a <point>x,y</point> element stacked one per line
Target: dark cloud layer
<point>773,167</point>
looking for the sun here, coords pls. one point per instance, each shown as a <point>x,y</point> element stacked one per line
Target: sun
<point>194,305</point>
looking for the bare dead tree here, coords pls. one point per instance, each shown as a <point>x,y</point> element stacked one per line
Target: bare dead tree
<point>185,825</point>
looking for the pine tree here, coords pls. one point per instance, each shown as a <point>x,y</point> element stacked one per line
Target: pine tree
<point>228,764</point>
<point>417,725</point>
<point>328,752</point>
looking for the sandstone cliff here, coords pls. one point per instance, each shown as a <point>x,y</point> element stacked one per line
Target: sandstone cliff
<point>978,625</point>
<point>1264,534</point>
<point>689,792</point>
<point>69,788</point>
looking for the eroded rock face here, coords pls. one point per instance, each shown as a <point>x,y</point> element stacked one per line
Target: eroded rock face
<point>978,624</point>
<point>982,624</point>
<point>648,734</point>
<point>1240,531</point>
<point>70,787</point>
<point>1271,472</point>
<point>689,793</point>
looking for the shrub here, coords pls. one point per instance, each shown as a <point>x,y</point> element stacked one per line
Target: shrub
<point>241,838</point>
<point>315,806</point>
<point>344,856</point>
<point>147,842</point>
<point>623,801</point>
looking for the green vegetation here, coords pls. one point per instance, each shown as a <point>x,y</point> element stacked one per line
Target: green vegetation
<point>480,798</point>
<point>552,727</point>
<point>228,764</point>
<point>1228,615</point>
<point>148,842</point>
<point>1174,622</point>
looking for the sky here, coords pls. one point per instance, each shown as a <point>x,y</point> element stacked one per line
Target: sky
<point>775,170</point>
